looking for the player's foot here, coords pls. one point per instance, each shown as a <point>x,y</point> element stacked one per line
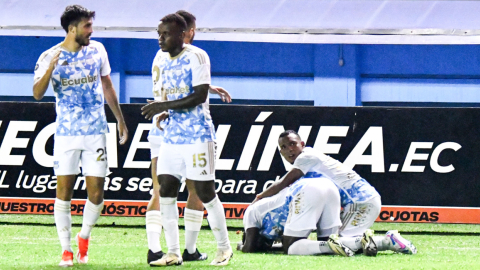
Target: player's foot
<point>67,259</point>
<point>239,246</point>
<point>337,247</point>
<point>82,253</point>
<point>154,256</point>
<point>168,260</point>
<point>196,256</point>
<point>223,257</point>
<point>400,244</point>
<point>368,245</point>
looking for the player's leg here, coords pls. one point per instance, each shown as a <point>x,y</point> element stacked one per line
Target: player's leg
<point>193,217</point>
<point>95,168</point>
<point>216,219</point>
<point>169,164</point>
<point>317,202</point>
<point>370,243</point>
<point>201,170</point>
<point>153,218</point>
<point>91,213</point>
<point>66,166</point>
<point>63,217</point>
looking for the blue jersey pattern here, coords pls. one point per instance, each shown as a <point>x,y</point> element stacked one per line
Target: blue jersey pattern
<point>79,99</point>
<point>273,223</point>
<point>186,126</point>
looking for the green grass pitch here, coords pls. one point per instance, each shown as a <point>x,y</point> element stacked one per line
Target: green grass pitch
<point>30,242</point>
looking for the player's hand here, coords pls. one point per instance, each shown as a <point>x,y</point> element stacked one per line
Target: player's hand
<point>54,61</point>
<point>122,132</point>
<point>257,198</point>
<point>153,107</point>
<point>224,95</point>
<point>160,118</point>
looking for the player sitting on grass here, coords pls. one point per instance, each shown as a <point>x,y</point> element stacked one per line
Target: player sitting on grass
<point>360,201</point>
<point>309,204</point>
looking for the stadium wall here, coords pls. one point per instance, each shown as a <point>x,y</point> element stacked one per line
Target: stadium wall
<point>281,73</point>
<point>419,159</point>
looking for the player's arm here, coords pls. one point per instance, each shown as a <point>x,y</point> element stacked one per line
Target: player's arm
<point>112,101</point>
<point>40,85</point>
<point>199,96</point>
<point>288,179</point>
<point>224,94</point>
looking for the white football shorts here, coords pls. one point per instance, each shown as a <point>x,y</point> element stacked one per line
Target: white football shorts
<point>91,150</point>
<point>197,161</point>
<point>358,217</point>
<point>317,202</point>
<point>155,142</point>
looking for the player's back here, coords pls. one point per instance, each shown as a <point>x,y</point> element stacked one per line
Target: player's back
<point>352,186</point>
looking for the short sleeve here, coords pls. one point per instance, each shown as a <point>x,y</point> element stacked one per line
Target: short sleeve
<point>200,68</point>
<point>105,68</point>
<point>305,162</point>
<point>42,65</point>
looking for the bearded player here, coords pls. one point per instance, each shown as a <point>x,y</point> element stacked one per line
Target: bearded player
<point>80,74</point>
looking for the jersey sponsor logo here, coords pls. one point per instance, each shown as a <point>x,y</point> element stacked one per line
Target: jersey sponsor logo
<point>83,80</point>
<point>177,90</point>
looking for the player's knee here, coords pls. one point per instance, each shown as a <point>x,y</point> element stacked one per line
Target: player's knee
<point>205,190</point>
<point>95,197</point>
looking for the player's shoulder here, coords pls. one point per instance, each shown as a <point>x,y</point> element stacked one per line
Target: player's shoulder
<point>48,54</point>
<point>160,55</point>
<point>196,52</point>
<point>309,151</point>
<point>95,45</point>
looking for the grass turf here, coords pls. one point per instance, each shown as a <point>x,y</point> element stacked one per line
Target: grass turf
<point>30,242</point>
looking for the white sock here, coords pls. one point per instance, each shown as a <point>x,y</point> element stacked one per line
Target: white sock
<point>353,243</point>
<point>218,224</point>
<point>309,247</point>
<point>91,213</point>
<point>382,243</point>
<point>63,222</point>
<point>153,221</point>
<point>169,211</point>
<point>193,224</point>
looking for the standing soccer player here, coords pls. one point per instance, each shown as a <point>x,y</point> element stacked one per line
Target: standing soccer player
<point>80,73</point>
<point>193,214</point>
<point>189,137</point>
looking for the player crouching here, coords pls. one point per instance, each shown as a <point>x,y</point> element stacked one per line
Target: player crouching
<point>309,204</point>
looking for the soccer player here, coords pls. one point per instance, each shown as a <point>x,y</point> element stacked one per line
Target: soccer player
<point>80,73</point>
<point>194,209</point>
<point>310,203</point>
<point>360,201</point>
<point>188,145</point>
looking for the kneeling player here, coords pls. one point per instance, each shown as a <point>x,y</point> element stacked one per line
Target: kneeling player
<point>309,204</point>
<point>360,201</point>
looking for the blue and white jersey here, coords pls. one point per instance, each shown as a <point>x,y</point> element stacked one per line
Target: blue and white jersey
<point>158,92</point>
<point>352,187</point>
<point>269,215</point>
<point>77,85</point>
<point>178,76</point>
